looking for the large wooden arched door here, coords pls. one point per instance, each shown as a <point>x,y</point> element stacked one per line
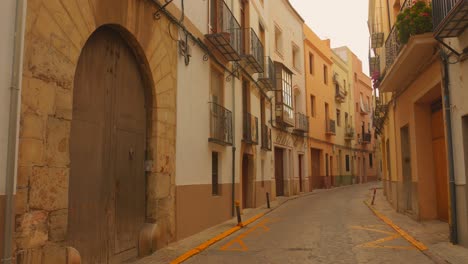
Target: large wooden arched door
<point>107,146</point>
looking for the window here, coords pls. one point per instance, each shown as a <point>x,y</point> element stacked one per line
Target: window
<point>287,92</point>
<point>346,119</point>
<point>311,63</point>
<point>357,107</point>
<point>370,160</point>
<point>312,106</point>
<point>338,117</point>
<point>216,86</point>
<point>214,174</point>
<point>278,40</point>
<point>325,74</point>
<point>295,56</point>
<point>347,162</point>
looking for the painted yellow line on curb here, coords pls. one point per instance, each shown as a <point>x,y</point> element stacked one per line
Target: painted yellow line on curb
<point>405,235</point>
<point>215,239</point>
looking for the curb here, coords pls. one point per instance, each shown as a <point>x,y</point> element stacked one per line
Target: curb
<point>419,245</point>
<point>212,241</point>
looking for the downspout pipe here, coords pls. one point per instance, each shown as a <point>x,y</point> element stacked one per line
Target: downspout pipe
<point>13,125</point>
<point>233,187</point>
<point>448,131</point>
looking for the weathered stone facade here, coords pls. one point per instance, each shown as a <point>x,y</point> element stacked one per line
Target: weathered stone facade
<point>56,32</point>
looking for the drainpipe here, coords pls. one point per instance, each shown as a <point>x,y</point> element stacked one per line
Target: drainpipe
<point>233,188</point>
<point>448,129</point>
<point>16,78</point>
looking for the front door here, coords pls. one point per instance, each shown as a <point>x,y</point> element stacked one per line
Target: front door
<point>406,161</point>
<point>107,151</point>
<point>440,163</point>
<point>279,178</point>
<point>315,162</point>
<point>300,173</point>
<point>247,181</point>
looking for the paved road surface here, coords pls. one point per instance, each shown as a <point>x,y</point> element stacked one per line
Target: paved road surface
<point>327,227</point>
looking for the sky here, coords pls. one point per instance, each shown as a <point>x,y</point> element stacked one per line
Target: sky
<point>342,21</point>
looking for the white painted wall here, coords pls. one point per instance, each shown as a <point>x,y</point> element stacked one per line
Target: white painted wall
<point>283,16</point>
<point>7,24</point>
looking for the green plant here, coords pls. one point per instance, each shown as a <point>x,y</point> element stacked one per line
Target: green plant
<point>414,20</point>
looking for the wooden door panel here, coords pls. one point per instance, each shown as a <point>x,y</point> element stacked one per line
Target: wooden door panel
<point>107,150</point>
<point>129,139</point>
<point>279,172</point>
<point>129,189</point>
<point>440,165</point>
<point>89,190</point>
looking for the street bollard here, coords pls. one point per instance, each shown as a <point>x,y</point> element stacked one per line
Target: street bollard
<point>268,200</point>
<point>239,219</point>
<point>373,197</point>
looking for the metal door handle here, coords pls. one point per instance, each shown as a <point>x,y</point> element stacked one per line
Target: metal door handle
<point>131,153</point>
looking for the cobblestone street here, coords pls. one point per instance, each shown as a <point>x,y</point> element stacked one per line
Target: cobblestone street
<point>327,227</point>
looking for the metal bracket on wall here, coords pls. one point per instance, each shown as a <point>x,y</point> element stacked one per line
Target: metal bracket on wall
<point>157,14</point>
<point>235,72</point>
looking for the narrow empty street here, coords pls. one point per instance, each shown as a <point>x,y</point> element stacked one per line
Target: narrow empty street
<point>327,227</point>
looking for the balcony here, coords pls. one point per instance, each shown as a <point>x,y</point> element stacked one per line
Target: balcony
<point>366,138</point>
<point>403,62</point>
<point>253,54</point>
<point>340,94</point>
<point>450,17</point>
<point>364,108</point>
<point>377,40</point>
<point>284,115</point>
<point>266,79</point>
<point>330,126</point>
<point>266,138</point>
<point>302,123</point>
<point>349,133</point>
<point>220,125</point>
<point>250,129</point>
<point>225,32</point>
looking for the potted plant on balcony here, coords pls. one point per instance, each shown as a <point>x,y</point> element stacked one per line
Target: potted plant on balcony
<point>414,20</point>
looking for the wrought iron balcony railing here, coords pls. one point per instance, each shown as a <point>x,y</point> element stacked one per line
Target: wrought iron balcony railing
<point>266,79</point>
<point>450,17</point>
<point>349,133</point>
<point>366,138</point>
<point>302,123</point>
<point>225,32</point>
<point>330,127</point>
<point>253,52</point>
<point>392,48</point>
<point>250,129</point>
<point>220,125</point>
<point>266,138</point>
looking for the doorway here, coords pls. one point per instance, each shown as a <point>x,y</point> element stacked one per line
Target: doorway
<point>315,169</point>
<point>279,172</point>
<point>406,167</point>
<point>247,181</point>
<point>107,151</point>
<point>440,161</point>
<point>300,158</point>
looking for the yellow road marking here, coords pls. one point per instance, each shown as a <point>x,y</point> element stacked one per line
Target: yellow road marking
<point>405,235</point>
<point>257,230</point>
<point>371,229</point>
<point>377,243</point>
<point>210,242</point>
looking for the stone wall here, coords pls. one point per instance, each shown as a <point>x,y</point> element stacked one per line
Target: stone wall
<point>56,32</point>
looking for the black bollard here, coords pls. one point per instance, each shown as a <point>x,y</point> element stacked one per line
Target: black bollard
<point>239,219</point>
<point>268,200</point>
<point>373,197</point>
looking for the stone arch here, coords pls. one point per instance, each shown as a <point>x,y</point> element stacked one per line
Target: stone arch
<point>53,41</point>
